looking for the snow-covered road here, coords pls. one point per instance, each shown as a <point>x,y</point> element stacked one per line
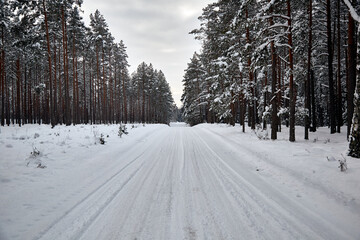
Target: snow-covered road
<point>183,183</point>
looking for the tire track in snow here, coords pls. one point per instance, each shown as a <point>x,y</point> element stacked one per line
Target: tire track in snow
<point>139,209</point>
<point>200,219</point>
<point>88,207</point>
<point>300,178</point>
<point>253,218</point>
<point>289,213</point>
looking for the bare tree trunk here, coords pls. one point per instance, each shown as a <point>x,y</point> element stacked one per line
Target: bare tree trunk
<point>91,94</point>
<point>50,66</point>
<point>96,91</point>
<point>30,101</point>
<point>351,72</point>
<point>124,96</point>
<point>85,111</point>
<point>308,76</point>
<point>104,100</point>
<point>66,71</point>
<point>354,146</point>
<point>251,80</point>
<point>291,83</point>
<point>55,98</point>
<point>24,92</point>
<point>143,98</point>
<point>330,67</point>
<point>18,92</point>
<point>111,101</point>
<point>74,78</point>
<point>339,98</point>
<point>2,78</point>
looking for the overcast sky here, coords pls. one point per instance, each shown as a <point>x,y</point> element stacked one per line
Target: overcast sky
<point>154,31</point>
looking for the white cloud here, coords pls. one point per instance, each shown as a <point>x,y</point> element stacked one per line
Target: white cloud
<point>154,31</point>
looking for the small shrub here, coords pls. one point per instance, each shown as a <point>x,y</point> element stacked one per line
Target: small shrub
<point>35,152</point>
<point>40,165</point>
<point>35,158</point>
<point>261,133</point>
<point>122,130</point>
<point>343,164</point>
<point>102,139</point>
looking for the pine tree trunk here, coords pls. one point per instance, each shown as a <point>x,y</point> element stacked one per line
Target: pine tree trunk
<point>77,102</point>
<point>18,92</point>
<point>124,96</point>
<point>30,100</point>
<point>91,94</point>
<point>66,72</point>
<point>85,111</point>
<point>143,99</point>
<point>117,94</point>
<point>339,98</point>
<point>330,69</point>
<point>351,71</point>
<point>7,92</point>
<point>104,99</point>
<point>50,66</point>
<point>265,99</point>
<point>111,101</point>
<point>55,98</point>
<point>308,76</point>
<point>273,101</point>
<point>96,96</point>
<point>24,97</point>
<point>251,80</point>
<point>74,79</point>
<point>2,80</point>
<point>354,146</point>
<point>13,99</point>
<point>291,83</point>
<point>279,97</point>
<point>313,102</point>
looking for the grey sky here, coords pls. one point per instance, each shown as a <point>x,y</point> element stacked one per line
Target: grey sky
<point>154,31</point>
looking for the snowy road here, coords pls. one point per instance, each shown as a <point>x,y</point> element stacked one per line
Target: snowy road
<point>192,183</point>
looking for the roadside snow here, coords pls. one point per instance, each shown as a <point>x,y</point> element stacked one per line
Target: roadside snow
<point>160,182</point>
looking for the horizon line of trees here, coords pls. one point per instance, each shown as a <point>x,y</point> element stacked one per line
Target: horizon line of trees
<point>276,62</point>
<point>55,70</point>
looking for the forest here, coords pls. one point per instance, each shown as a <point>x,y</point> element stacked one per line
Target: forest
<point>277,63</point>
<point>56,70</point>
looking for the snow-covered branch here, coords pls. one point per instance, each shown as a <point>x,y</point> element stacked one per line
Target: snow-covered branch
<point>352,11</point>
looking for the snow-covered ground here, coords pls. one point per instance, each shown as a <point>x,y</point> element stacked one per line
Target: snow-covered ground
<point>161,182</point>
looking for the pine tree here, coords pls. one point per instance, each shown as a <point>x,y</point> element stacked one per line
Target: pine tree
<point>191,98</point>
<point>354,146</point>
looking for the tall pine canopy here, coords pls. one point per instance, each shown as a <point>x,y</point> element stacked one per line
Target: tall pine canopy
<point>56,70</point>
<point>276,62</point>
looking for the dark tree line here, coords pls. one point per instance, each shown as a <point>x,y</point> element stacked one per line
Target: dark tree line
<point>274,62</point>
<point>55,70</point>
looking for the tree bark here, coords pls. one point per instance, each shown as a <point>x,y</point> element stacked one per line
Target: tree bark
<point>274,105</point>
<point>66,71</point>
<point>52,121</point>
<point>308,76</point>
<point>251,79</point>
<point>2,78</point>
<point>354,146</point>
<point>339,98</point>
<point>330,69</point>
<point>124,96</point>
<point>291,83</point>
<point>18,92</point>
<point>351,71</point>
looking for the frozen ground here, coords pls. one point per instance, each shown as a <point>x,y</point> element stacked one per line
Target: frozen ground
<point>160,182</point>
